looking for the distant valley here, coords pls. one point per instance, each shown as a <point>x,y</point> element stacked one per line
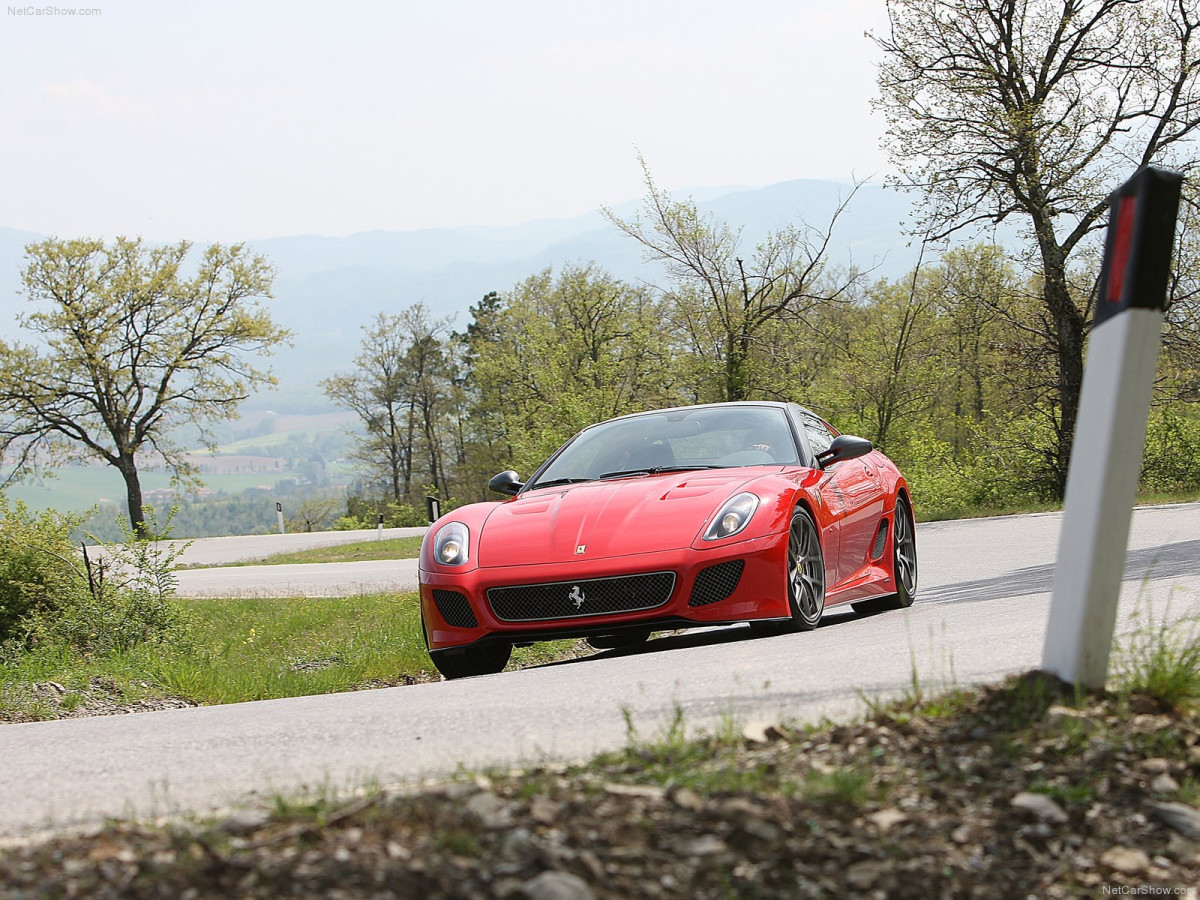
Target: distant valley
<point>328,287</point>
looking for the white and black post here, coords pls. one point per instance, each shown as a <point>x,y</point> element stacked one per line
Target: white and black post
<point>279,513</point>
<point>1106,455</point>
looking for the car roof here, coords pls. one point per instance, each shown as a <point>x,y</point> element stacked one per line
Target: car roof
<point>778,404</point>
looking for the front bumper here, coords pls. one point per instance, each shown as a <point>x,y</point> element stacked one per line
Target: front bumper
<point>760,593</point>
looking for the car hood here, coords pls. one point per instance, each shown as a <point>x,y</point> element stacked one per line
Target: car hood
<point>599,519</point>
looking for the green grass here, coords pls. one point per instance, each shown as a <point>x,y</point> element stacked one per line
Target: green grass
<point>390,548</point>
<point>1160,660</point>
<point>251,649</point>
<point>946,513</point>
<point>257,649</point>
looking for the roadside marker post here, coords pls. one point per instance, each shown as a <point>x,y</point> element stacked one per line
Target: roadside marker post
<point>279,513</point>
<point>1110,434</point>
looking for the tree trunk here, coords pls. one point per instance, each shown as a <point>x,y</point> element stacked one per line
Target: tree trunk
<point>133,495</point>
<point>737,360</point>
<point>395,455</point>
<point>1068,339</point>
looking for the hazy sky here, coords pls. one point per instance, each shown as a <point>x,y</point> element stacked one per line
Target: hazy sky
<point>231,120</point>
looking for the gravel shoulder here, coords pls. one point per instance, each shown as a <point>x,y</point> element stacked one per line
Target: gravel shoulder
<point>1022,789</point>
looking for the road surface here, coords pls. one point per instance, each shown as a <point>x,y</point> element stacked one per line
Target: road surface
<point>980,615</point>
<point>298,580</point>
<point>214,551</point>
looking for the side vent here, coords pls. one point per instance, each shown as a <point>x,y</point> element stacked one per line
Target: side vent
<point>880,540</point>
<point>455,608</point>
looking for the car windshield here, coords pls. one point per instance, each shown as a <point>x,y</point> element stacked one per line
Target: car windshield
<point>677,440</point>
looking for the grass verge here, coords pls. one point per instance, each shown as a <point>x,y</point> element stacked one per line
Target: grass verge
<point>951,512</point>
<point>241,649</point>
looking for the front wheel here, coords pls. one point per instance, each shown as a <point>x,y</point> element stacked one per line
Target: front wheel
<point>484,659</point>
<point>805,572</point>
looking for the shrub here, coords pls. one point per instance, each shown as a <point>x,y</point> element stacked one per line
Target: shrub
<point>38,563</point>
<point>366,513</point>
<point>104,600</point>
<point>1171,463</point>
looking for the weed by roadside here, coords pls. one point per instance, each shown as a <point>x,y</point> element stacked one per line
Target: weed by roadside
<point>1160,660</point>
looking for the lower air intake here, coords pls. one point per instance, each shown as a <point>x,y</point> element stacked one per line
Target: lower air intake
<point>716,583</point>
<point>455,609</point>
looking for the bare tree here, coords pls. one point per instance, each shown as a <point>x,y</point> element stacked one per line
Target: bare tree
<point>721,306</point>
<point>398,390</point>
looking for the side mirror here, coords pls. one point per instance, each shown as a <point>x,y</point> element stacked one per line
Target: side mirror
<point>505,483</point>
<point>844,446</point>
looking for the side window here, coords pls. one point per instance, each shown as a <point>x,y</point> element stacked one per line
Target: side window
<point>819,437</point>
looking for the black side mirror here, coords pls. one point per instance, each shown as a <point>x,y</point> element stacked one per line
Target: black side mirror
<point>505,483</point>
<point>844,446</point>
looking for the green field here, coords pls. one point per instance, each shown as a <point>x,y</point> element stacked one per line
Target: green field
<point>78,488</point>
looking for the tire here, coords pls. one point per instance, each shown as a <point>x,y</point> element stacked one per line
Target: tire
<point>481,659</point>
<point>904,564</point>
<point>619,639</point>
<point>805,574</point>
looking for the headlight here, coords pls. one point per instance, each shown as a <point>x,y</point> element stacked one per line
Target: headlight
<point>733,517</point>
<point>450,544</point>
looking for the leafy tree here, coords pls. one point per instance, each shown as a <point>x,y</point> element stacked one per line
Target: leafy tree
<point>128,348</point>
<point>1034,110</point>
<point>889,368</point>
<point>723,308</point>
<point>975,292</point>
<point>558,353</point>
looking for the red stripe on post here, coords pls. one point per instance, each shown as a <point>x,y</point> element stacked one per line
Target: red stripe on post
<point>1121,248</point>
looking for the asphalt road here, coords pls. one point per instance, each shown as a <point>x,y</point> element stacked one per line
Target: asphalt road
<point>300,580</point>
<point>215,551</point>
<point>980,615</point>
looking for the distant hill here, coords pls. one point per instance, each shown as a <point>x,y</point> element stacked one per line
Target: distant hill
<point>328,287</point>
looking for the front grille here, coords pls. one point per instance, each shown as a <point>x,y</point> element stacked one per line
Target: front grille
<point>455,609</point>
<point>572,599</point>
<point>716,583</point>
<point>880,540</point>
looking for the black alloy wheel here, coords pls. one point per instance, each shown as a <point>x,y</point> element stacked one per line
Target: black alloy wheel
<point>904,560</point>
<point>805,572</point>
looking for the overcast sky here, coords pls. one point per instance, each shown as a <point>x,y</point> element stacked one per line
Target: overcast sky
<point>233,120</point>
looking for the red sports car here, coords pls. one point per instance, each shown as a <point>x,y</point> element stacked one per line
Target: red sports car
<point>700,515</point>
